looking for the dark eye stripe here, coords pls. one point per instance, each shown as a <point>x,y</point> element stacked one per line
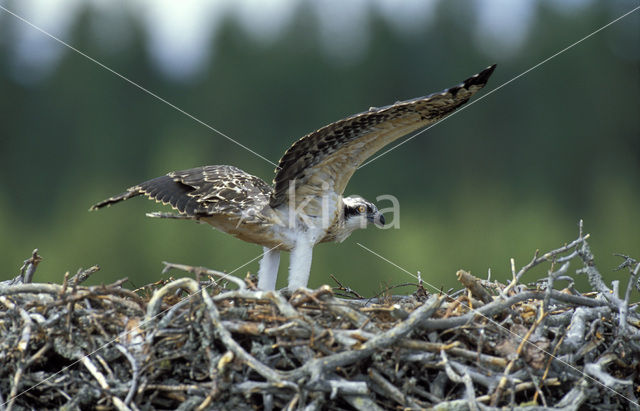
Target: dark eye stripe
<point>350,211</point>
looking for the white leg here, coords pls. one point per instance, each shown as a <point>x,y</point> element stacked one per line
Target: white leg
<point>300,264</point>
<point>268,273</point>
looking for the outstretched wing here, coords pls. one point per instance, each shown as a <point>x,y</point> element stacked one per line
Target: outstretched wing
<point>323,161</point>
<point>204,191</point>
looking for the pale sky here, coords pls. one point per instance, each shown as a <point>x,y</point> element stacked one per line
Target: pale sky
<point>179,31</point>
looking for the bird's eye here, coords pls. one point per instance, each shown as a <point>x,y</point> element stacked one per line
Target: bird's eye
<point>362,209</point>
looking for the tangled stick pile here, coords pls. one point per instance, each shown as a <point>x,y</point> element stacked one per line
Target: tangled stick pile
<point>201,345</point>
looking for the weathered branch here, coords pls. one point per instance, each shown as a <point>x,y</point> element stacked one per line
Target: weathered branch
<point>195,344</point>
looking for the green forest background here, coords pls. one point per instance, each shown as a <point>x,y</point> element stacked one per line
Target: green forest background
<point>509,175</point>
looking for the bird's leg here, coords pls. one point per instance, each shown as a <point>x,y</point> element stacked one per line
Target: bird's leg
<point>300,264</point>
<point>268,273</point>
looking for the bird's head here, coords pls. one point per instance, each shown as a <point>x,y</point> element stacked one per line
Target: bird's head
<point>359,212</point>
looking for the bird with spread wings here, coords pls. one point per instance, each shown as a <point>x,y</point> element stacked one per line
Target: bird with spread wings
<point>305,206</point>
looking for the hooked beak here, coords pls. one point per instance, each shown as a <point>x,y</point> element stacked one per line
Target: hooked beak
<point>377,219</point>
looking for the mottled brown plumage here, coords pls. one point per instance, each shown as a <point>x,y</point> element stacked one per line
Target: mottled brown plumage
<point>338,149</point>
<point>204,191</point>
<point>306,205</point>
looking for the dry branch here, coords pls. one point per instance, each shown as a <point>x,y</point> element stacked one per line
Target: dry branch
<point>194,344</point>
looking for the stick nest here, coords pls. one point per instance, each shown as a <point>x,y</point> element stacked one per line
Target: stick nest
<point>218,343</point>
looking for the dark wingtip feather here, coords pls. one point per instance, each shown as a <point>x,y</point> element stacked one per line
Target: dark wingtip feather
<point>168,191</point>
<point>481,78</point>
<point>115,199</point>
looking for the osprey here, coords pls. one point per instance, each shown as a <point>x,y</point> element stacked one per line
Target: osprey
<point>305,205</point>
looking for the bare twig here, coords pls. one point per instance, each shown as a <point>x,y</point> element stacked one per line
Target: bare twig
<point>624,309</point>
<point>135,372</point>
<point>82,275</point>
<point>202,270</point>
<point>29,267</point>
<point>347,290</point>
<point>171,344</point>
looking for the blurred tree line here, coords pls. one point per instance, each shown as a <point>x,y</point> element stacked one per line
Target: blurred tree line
<point>507,176</point>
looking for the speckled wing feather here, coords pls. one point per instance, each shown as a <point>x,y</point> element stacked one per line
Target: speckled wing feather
<point>327,158</point>
<point>204,191</point>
